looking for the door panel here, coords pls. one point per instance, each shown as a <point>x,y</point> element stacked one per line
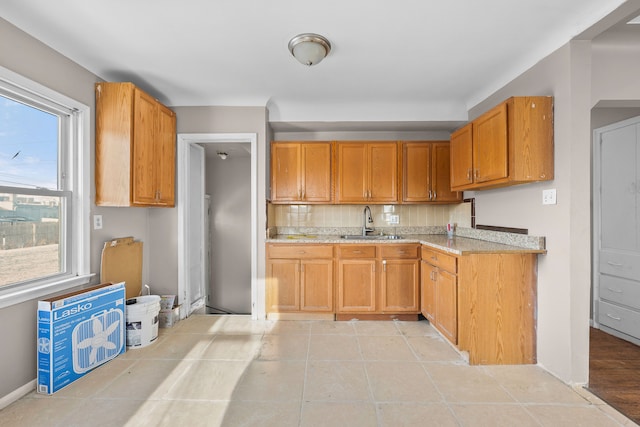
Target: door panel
<point>352,185</point>
<point>195,243</point>
<point>490,145</point>
<point>383,174</point>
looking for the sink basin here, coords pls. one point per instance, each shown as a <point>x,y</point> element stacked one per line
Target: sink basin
<point>371,237</point>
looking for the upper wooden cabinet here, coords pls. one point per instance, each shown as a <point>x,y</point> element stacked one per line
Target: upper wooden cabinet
<point>510,144</point>
<point>135,148</point>
<point>301,172</point>
<point>425,173</point>
<point>367,172</point>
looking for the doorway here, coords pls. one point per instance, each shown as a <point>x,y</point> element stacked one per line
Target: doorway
<point>188,231</point>
<point>228,186</point>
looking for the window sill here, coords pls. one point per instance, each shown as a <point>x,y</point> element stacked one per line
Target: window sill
<point>11,297</point>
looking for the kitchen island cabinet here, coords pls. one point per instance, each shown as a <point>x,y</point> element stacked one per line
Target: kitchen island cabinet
<point>510,144</point>
<point>135,148</point>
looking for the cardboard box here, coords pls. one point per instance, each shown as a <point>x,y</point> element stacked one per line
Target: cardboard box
<point>78,332</point>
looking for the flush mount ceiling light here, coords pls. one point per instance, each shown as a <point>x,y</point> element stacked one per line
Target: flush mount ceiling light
<point>309,48</point>
<point>222,155</point>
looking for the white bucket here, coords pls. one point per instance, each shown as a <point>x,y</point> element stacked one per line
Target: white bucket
<point>142,320</point>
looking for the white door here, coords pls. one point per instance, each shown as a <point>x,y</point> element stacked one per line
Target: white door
<point>195,236</point>
<point>616,201</point>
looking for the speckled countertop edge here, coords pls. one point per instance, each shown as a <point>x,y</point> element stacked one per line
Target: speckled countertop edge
<point>465,241</point>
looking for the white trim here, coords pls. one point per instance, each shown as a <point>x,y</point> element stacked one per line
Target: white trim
<point>16,394</point>
<point>184,139</point>
<point>79,175</point>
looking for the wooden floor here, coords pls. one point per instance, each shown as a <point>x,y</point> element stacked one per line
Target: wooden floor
<point>614,372</point>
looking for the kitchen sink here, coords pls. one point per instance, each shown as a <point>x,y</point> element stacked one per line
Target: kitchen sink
<point>371,237</point>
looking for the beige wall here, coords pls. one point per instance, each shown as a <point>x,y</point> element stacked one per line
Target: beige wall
<point>26,56</point>
<point>563,273</point>
<point>219,120</point>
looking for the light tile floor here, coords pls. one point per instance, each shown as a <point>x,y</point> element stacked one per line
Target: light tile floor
<point>232,371</point>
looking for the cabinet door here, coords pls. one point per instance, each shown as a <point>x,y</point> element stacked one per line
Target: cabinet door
<point>285,172</point>
<point>356,286</point>
<point>383,172</point>
<point>283,285</point>
<point>316,172</point>
<point>400,285</point>
<point>440,174</point>
<point>316,285</point>
<point>428,291</point>
<point>166,157</point>
<point>461,147</point>
<point>446,305</point>
<point>416,173</point>
<point>144,180</point>
<point>490,156</point>
<point>352,173</point>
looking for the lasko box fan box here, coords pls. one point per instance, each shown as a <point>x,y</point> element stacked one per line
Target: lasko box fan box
<point>78,332</point>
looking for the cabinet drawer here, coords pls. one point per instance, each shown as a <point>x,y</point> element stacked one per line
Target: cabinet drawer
<point>620,291</point>
<point>399,251</point>
<point>620,264</point>
<point>619,318</point>
<point>354,251</point>
<point>300,251</point>
<point>446,262</point>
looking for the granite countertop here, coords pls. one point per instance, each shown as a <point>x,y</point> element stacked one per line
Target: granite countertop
<point>457,245</point>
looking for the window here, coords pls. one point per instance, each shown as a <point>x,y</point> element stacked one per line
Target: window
<point>43,208</point>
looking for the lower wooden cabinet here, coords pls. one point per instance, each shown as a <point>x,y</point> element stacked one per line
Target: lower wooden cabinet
<point>439,287</point>
<point>378,279</point>
<point>496,308</point>
<point>367,279</point>
<point>299,278</point>
<point>356,285</point>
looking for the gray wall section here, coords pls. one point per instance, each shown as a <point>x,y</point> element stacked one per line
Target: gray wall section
<point>228,183</point>
<point>32,59</point>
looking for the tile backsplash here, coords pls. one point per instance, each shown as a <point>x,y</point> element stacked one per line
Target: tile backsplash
<point>383,215</point>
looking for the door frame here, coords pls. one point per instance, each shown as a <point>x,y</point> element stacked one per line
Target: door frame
<point>183,142</point>
<point>595,214</point>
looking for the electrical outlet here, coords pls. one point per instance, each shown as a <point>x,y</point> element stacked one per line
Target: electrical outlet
<point>549,197</point>
<point>97,222</point>
<point>394,219</point>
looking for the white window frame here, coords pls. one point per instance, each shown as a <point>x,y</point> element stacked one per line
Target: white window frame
<point>75,162</point>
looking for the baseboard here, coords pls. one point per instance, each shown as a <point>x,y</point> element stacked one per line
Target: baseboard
<point>17,394</point>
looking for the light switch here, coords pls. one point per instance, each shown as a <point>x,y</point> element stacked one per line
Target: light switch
<point>549,197</point>
<point>394,219</point>
<point>97,222</point>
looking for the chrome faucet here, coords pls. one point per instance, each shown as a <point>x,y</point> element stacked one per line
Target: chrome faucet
<point>367,220</point>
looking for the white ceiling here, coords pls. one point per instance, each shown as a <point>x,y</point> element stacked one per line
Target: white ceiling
<point>398,62</point>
